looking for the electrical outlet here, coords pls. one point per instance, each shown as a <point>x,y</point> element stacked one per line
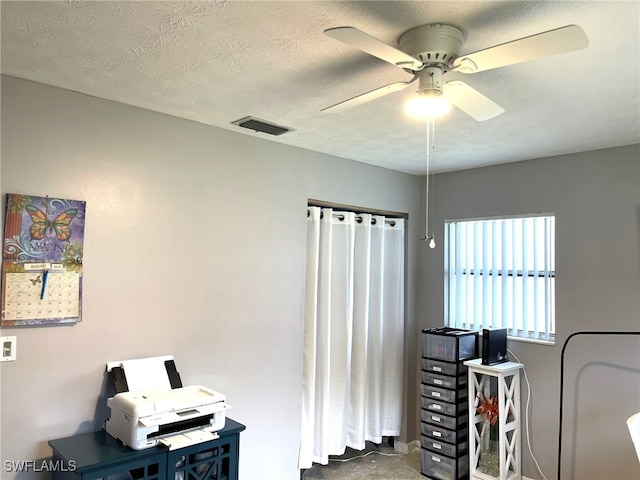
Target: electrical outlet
<point>9,346</point>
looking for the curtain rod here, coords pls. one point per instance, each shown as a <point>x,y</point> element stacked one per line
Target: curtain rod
<point>341,217</point>
<point>359,219</point>
<point>340,207</point>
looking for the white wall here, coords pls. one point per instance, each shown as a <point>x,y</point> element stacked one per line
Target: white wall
<point>194,246</point>
<point>596,200</point>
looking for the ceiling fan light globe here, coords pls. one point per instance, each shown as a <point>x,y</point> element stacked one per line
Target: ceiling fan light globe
<point>425,106</point>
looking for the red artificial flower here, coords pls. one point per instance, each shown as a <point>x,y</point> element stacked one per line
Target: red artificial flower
<point>488,407</point>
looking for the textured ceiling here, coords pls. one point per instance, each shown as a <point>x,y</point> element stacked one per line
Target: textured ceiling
<point>215,62</point>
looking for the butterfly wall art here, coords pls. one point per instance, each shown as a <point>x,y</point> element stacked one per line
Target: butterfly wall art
<point>60,225</point>
<point>43,228</point>
<point>42,260</point>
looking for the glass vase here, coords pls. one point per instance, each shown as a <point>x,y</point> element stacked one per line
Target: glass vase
<point>489,461</point>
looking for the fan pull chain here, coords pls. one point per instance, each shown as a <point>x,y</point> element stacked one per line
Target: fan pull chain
<point>429,191</point>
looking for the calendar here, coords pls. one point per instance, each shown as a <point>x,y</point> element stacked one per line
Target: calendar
<point>28,298</point>
<point>42,261</point>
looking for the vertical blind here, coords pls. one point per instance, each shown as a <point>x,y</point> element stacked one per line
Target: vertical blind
<point>501,273</point>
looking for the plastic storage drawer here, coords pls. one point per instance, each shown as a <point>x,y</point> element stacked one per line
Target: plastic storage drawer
<point>450,344</point>
<point>442,394</point>
<point>444,421</point>
<point>444,368</point>
<point>443,381</point>
<point>443,434</point>
<point>444,448</point>
<point>451,409</point>
<point>443,468</point>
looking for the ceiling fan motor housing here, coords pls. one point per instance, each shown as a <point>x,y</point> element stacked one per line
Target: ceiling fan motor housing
<point>435,44</point>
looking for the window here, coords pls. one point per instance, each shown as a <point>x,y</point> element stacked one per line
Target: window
<point>500,272</point>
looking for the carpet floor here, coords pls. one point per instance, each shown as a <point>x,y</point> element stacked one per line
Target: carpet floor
<point>376,462</point>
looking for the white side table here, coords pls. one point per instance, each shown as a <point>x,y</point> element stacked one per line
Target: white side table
<point>503,381</point>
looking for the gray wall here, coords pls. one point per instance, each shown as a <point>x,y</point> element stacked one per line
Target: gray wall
<point>194,246</point>
<point>219,218</point>
<point>596,199</point>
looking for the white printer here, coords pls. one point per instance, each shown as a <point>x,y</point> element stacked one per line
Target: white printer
<point>151,406</point>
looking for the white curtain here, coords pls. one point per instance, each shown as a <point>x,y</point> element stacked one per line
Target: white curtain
<point>353,332</point>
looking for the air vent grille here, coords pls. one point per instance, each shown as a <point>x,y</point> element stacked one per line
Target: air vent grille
<point>257,125</point>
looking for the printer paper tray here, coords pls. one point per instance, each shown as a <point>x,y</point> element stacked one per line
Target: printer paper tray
<point>186,439</point>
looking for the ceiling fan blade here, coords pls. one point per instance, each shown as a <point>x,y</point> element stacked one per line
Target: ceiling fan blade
<point>545,44</point>
<point>371,45</point>
<point>471,101</point>
<point>367,97</point>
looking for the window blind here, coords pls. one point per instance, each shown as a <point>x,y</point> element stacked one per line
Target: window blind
<point>500,272</point>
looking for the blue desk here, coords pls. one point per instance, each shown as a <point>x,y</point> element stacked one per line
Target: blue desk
<point>97,455</point>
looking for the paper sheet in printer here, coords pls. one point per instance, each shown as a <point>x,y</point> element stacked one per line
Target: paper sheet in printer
<point>145,373</point>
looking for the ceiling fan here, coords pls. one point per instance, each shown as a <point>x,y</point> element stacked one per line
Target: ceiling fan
<point>430,51</point>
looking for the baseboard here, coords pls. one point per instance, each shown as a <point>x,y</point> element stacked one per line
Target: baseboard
<point>403,447</point>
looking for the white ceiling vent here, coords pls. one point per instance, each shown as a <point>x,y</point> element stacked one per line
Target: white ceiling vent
<point>253,123</point>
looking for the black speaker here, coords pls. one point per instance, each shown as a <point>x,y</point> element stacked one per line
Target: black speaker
<point>494,346</point>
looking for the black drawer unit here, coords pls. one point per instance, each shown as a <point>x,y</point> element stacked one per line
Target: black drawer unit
<point>444,415</point>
